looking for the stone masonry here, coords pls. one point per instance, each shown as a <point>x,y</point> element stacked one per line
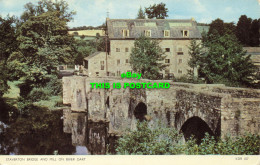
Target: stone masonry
<point>225,110</point>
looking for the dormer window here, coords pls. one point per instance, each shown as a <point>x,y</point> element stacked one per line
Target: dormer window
<point>147,33</point>
<point>125,33</point>
<point>185,33</point>
<point>166,33</point>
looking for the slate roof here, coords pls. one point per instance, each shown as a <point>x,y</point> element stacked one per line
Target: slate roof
<point>92,55</point>
<point>137,27</point>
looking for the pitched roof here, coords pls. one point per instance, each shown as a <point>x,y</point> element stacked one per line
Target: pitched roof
<point>93,55</point>
<point>137,27</point>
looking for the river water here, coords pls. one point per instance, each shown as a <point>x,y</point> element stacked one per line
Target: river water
<point>42,132</point>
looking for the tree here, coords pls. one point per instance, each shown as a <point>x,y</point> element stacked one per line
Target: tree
<point>225,62</point>
<point>230,28</point>
<point>8,44</point>
<point>82,37</point>
<point>44,44</point>
<point>220,27</point>
<point>254,33</point>
<point>216,27</point>
<point>195,51</point>
<point>82,49</point>
<point>44,6</point>
<point>145,57</point>
<point>243,30</point>
<point>75,33</point>
<point>140,14</point>
<point>158,11</point>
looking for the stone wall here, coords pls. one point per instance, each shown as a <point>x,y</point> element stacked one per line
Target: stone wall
<point>239,116</point>
<point>231,110</point>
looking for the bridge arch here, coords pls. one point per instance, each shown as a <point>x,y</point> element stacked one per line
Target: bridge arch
<point>140,111</point>
<point>196,127</point>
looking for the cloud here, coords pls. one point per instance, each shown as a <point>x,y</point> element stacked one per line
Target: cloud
<point>199,7</point>
<point>228,10</point>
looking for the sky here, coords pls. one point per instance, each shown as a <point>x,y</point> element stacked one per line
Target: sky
<point>94,12</point>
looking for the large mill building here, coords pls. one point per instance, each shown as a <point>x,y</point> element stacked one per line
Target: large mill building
<point>174,37</point>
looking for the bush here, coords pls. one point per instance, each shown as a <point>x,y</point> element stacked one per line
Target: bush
<point>146,141</point>
<point>161,140</point>
<point>38,94</point>
<point>54,86</point>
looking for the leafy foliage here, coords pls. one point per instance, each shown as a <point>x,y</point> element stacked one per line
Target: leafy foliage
<point>247,144</point>
<point>44,44</point>
<point>38,94</point>
<point>158,11</point>
<point>146,57</point>
<point>243,29</point>
<point>161,140</point>
<point>254,33</point>
<point>247,31</point>
<point>8,44</point>
<point>44,6</point>
<point>146,141</point>
<point>224,61</point>
<point>141,14</point>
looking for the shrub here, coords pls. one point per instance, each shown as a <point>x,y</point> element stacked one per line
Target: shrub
<point>38,94</point>
<point>146,141</point>
<point>161,140</point>
<point>54,86</point>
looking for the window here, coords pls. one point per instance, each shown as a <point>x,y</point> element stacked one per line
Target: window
<point>118,73</point>
<point>179,71</point>
<point>118,62</point>
<point>180,61</point>
<point>97,73</point>
<point>167,60</point>
<point>167,49</point>
<point>126,50</point>
<point>166,33</point>
<point>86,64</point>
<point>102,64</point>
<point>185,33</point>
<point>125,33</point>
<point>147,33</point>
<point>117,49</point>
<point>126,61</point>
<point>179,50</point>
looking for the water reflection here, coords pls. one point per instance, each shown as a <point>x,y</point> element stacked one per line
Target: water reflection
<point>40,132</point>
<point>76,124</point>
<point>81,150</point>
<point>44,132</point>
<point>84,132</point>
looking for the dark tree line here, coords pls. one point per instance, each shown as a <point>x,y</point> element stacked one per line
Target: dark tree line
<point>88,27</point>
<point>246,30</point>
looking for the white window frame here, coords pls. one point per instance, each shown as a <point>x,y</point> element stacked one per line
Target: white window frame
<point>146,32</point>
<point>183,33</point>
<point>125,33</point>
<point>165,32</point>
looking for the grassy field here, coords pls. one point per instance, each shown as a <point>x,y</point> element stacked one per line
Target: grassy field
<point>13,93</point>
<point>11,98</point>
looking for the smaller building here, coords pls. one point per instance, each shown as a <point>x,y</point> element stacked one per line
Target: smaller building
<point>255,55</point>
<point>95,65</point>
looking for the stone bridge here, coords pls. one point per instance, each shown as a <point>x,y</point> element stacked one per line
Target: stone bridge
<point>190,108</point>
